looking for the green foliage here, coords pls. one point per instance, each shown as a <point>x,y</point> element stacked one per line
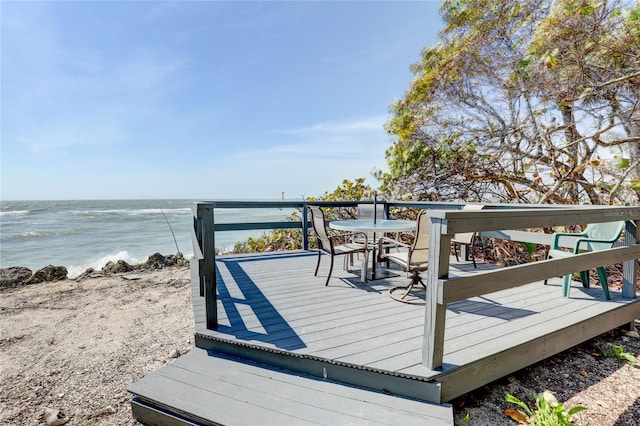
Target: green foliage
<point>622,163</point>
<point>275,240</point>
<point>619,352</point>
<point>530,248</point>
<point>547,412</point>
<point>516,102</point>
<point>291,239</point>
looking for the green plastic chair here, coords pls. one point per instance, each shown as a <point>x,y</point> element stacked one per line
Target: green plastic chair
<point>596,236</point>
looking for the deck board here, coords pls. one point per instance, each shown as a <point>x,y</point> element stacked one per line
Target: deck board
<point>273,310</point>
<point>358,323</point>
<point>241,393</point>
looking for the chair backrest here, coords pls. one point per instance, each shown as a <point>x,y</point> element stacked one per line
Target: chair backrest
<point>419,251</point>
<point>317,221</point>
<point>466,237</point>
<point>606,231</point>
<point>365,212</point>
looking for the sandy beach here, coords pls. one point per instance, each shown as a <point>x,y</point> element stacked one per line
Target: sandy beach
<point>75,345</point>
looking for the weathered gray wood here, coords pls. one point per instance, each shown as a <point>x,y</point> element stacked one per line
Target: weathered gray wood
<point>494,220</point>
<point>478,334</point>
<point>144,412</point>
<point>308,315</point>
<point>257,225</point>
<point>435,312</point>
<point>453,290</point>
<point>228,391</point>
<point>196,242</point>
<point>209,272</point>
<point>349,374</point>
<point>455,382</point>
<point>529,237</point>
<point>630,266</point>
<point>523,236</point>
<point>491,338</point>
<point>353,332</point>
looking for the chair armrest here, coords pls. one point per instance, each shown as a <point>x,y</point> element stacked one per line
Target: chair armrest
<point>351,234</point>
<point>382,240</point>
<point>590,240</point>
<point>557,235</point>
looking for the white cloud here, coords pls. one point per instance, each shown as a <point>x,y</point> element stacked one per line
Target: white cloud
<point>373,124</point>
<point>307,161</point>
<point>355,141</point>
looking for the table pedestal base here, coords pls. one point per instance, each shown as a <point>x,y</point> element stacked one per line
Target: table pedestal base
<point>379,274</point>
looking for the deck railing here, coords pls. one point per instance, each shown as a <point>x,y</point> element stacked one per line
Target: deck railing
<point>495,220</point>
<point>442,290</point>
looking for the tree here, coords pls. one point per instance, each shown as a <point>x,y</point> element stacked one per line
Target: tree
<point>522,101</point>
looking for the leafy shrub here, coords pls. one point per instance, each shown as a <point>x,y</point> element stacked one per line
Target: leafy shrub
<point>548,411</point>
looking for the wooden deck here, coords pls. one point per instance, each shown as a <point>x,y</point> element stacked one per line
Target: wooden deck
<point>355,345</point>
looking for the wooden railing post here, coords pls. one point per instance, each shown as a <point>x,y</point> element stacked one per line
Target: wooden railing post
<point>209,273</point>
<point>197,239</point>
<point>305,227</point>
<point>435,313</point>
<point>630,267</point>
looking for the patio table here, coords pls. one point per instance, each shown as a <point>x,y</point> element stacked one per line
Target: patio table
<point>371,226</point>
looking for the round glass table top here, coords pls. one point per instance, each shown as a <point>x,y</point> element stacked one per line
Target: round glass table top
<point>371,226</point>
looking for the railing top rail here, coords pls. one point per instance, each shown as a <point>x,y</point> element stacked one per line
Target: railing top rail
<point>493,217</point>
<point>393,203</point>
<point>495,220</point>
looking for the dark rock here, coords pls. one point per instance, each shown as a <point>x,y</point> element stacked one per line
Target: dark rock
<point>88,273</point>
<point>180,260</point>
<point>14,276</point>
<point>48,273</point>
<point>118,267</point>
<point>156,261</point>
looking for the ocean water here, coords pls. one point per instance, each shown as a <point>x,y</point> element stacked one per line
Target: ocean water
<point>89,233</point>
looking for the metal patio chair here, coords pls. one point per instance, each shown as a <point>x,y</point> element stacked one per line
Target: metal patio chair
<point>596,236</point>
<point>366,212</point>
<point>466,238</point>
<point>414,260</point>
<point>327,245</point>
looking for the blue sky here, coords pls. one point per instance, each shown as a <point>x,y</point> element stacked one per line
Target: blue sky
<point>200,100</point>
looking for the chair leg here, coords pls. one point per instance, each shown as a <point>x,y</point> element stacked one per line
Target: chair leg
<point>363,269</point>
<point>455,251</point>
<point>315,274</point>
<point>602,275</point>
<point>566,285</point>
<point>473,258</point>
<point>584,276</point>
<point>330,270</point>
<point>545,281</point>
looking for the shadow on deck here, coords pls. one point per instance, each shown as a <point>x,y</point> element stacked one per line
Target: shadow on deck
<point>290,350</point>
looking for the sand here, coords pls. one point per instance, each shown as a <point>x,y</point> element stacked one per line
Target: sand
<point>75,346</point>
